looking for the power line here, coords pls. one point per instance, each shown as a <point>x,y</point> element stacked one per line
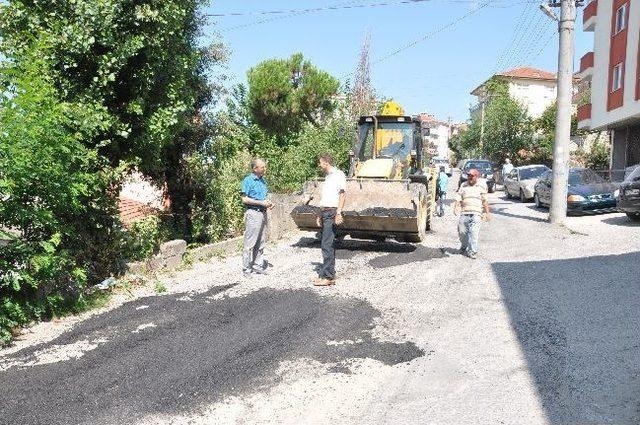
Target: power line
<point>339,7</point>
<point>545,45</point>
<point>431,34</point>
<point>278,17</point>
<point>519,23</point>
<point>539,41</point>
<point>537,31</point>
<point>317,9</point>
<point>524,35</point>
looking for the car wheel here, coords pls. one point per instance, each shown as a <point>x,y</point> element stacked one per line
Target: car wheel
<point>634,216</point>
<point>523,198</point>
<point>491,188</point>
<point>506,191</point>
<point>536,200</point>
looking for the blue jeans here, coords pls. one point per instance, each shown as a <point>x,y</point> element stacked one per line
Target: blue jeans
<point>469,232</point>
<point>440,204</point>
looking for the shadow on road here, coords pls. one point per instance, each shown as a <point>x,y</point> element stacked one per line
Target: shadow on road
<point>175,353</point>
<point>503,212</point>
<point>356,245</point>
<point>578,322</point>
<point>621,221</point>
<point>420,253</point>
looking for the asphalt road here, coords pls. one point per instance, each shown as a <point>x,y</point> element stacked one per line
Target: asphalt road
<point>543,328</point>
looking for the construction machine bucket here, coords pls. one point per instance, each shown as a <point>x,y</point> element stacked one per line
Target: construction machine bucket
<point>374,209</point>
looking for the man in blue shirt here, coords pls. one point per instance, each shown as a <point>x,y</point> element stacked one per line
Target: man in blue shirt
<point>441,190</point>
<point>254,196</point>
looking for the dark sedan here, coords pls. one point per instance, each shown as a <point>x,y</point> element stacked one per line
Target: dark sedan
<point>629,195</point>
<point>588,193</point>
<point>486,172</point>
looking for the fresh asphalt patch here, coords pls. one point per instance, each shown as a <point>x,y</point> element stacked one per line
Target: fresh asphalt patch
<point>173,354</point>
<point>420,253</point>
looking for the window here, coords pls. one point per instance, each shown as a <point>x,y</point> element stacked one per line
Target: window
<point>617,77</point>
<point>621,16</point>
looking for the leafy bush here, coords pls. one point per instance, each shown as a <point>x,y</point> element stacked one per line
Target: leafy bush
<point>55,196</point>
<point>598,156</point>
<point>143,239</point>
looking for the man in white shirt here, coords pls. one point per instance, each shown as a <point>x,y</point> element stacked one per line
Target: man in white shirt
<point>506,168</point>
<point>331,204</point>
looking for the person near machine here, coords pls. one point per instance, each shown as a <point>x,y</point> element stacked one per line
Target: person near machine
<point>473,206</point>
<point>441,191</point>
<point>507,167</point>
<point>331,204</point>
<point>254,194</point>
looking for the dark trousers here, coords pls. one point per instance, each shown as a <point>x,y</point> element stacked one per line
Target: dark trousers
<point>328,269</point>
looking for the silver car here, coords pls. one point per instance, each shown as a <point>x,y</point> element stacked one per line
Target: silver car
<point>521,181</point>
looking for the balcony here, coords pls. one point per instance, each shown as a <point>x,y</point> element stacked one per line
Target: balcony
<point>584,116</point>
<point>589,16</point>
<point>586,66</point>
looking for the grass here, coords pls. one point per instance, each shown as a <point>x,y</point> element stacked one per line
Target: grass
<point>159,287</point>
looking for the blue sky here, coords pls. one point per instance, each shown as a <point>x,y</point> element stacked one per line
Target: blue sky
<point>462,46</point>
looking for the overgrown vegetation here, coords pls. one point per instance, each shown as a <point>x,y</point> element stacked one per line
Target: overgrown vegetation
<point>85,93</point>
<point>89,92</point>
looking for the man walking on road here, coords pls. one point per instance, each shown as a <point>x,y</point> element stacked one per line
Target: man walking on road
<point>441,184</point>
<point>507,167</point>
<point>331,204</point>
<point>473,206</point>
<point>254,196</point>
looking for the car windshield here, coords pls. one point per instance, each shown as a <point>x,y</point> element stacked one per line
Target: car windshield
<point>634,176</point>
<point>584,176</point>
<point>532,173</point>
<point>478,165</point>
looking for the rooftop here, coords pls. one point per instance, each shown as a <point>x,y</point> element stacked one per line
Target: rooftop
<point>523,73</point>
<point>528,73</point>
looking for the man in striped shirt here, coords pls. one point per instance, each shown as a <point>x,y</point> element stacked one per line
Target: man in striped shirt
<point>473,206</point>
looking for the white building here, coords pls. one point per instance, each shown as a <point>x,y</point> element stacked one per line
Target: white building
<point>535,89</point>
<point>610,99</point>
<point>440,132</point>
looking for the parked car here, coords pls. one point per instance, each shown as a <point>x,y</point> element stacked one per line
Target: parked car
<point>588,193</point>
<point>442,162</point>
<point>486,172</point>
<point>628,195</point>
<point>521,181</point>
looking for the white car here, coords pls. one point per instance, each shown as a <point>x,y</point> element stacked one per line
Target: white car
<point>442,162</point>
<point>520,182</point>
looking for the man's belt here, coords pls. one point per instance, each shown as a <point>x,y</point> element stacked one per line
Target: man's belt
<point>256,208</point>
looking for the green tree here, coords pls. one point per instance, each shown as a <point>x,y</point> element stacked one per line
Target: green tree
<point>284,94</point>
<point>507,127</point>
<point>139,63</point>
<point>55,195</point>
<point>542,148</point>
<point>505,131</point>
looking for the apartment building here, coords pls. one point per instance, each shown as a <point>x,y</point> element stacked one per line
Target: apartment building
<point>535,89</point>
<point>610,93</point>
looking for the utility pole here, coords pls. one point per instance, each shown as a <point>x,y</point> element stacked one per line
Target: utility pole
<point>482,128</point>
<point>566,24</point>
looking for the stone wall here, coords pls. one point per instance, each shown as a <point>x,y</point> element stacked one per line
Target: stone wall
<point>172,252</point>
<point>280,221</point>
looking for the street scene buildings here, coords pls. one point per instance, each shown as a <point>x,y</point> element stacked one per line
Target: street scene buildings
<point>365,212</point>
